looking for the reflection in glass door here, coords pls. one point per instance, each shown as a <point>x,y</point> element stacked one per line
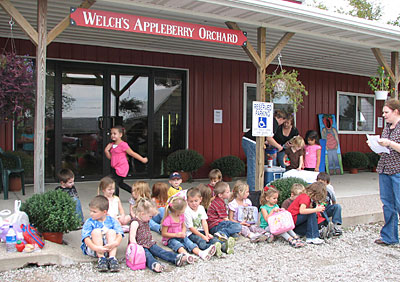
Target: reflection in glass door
<point>129,106</point>
<point>82,105</point>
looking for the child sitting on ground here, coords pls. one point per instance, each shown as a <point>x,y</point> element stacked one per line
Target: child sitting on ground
<point>237,200</point>
<point>268,201</point>
<point>304,216</point>
<point>295,153</point>
<point>215,176</point>
<point>140,234</point>
<point>332,209</point>
<point>66,178</point>
<point>140,189</point>
<point>175,180</point>
<point>296,190</point>
<point>218,221</point>
<point>196,224</point>
<point>101,235</point>
<point>115,209</point>
<point>206,195</point>
<point>159,194</point>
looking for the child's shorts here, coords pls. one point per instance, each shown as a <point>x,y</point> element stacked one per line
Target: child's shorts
<point>89,252</point>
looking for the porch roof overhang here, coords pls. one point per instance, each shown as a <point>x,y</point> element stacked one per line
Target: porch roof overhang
<point>322,40</point>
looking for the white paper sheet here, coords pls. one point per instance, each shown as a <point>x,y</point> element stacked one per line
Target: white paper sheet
<point>374,145</point>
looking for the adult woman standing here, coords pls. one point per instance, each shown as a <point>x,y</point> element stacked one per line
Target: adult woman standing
<point>389,173</point>
<point>284,133</point>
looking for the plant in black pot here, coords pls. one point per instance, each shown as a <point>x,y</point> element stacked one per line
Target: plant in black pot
<point>52,212</point>
<point>284,185</point>
<point>185,162</point>
<point>230,166</point>
<point>373,160</point>
<point>355,161</point>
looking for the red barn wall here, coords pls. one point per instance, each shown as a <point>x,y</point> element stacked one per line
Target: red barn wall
<point>218,84</point>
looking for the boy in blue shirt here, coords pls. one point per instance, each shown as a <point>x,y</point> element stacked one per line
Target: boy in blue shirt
<point>101,235</point>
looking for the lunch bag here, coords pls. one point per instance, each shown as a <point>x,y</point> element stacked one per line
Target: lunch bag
<point>280,222</point>
<point>32,236</point>
<point>135,257</point>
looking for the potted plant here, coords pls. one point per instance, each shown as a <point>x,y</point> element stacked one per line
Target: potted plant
<point>17,85</point>
<point>285,84</point>
<point>230,166</point>
<point>380,84</point>
<point>284,185</point>
<point>373,160</point>
<point>185,162</point>
<point>52,213</point>
<point>355,161</point>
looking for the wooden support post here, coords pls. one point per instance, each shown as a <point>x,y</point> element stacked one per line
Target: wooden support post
<point>395,69</point>
<point>39,137</point>
<point>260,96</point>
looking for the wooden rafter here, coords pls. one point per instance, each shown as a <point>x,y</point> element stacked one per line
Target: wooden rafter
<point>382,61</point>
<point>20,20</point>
<point>250,51</point>
<point>62,25</point>
<point>278,47</point>
<point>395,69</point>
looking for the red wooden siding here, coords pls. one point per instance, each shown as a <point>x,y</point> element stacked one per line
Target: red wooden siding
<point>218,84</point>
<point>6,136</point>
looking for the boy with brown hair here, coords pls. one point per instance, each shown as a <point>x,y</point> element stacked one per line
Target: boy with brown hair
<point>66,178</point>
<point>101,235</point>
<point>215,176</point>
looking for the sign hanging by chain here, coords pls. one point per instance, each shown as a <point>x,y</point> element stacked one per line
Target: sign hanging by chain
<point>131,23</point>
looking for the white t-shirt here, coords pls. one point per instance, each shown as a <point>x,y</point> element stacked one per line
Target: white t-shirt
<point>233,206</point>
<point>194,218</point>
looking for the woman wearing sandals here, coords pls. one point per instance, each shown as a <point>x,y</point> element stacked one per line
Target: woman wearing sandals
<point>389,174</point>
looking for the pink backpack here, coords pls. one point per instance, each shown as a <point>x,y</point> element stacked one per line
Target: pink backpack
<point>280,222</point>
<point>135,257</point>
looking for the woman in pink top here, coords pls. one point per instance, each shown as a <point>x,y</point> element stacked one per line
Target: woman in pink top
<point>116,151</point>
<point>313,151</point>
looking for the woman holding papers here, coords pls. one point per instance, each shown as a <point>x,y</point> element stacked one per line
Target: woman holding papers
<point>389,173</point>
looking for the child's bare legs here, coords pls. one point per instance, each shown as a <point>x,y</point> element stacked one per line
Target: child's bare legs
<point>125,219</point>
<point>111,237</point>
<point>292,238</point>
<point>97,239</point>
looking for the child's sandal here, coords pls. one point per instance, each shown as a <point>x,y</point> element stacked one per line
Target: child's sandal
<point>296,243</point>
<point>157,267</point>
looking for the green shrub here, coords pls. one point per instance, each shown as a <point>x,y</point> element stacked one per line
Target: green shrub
<point>373,159</point>
<point>230,166</point>
<point>184,160</point>
<point>284,185</point>
<point>355,160</point>
<point>53,211</point>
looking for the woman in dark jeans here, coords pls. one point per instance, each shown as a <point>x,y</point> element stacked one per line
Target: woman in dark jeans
<point>283,134</point>
<point>389,173</point>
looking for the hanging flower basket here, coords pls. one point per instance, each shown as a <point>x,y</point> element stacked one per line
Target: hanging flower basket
<point>381,95</point>
<point>17,85</point>
<point>380,84</point>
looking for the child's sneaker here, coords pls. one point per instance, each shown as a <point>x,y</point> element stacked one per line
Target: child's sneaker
<point>323,233</point>
<point>180,259</point>
<point>258,237</point>
<point>190,259</point>
<point>207,253</point>
<point>235,236</point>
<point>113,264</point>
<point>218,249</point>
<point>230,244</point>
<point>315,241</point>
<point>102,264</point>
<point>221,236</point>
<point>337,231</point>
<point>270,237</point>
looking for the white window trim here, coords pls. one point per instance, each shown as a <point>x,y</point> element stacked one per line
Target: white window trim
<point>245,85</point>
<point>337,112</point>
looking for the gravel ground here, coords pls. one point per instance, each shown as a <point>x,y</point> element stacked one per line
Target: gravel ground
<point>351,257</point>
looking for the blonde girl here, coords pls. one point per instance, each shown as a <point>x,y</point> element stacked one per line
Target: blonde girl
<point>268,201</point>
<point>116,151</point>
<point>140,189</point>
<point>139,233</point>
<point>295,154</point>
<point>173,230</point>
<point>115,209</point>
<point>239,198</point>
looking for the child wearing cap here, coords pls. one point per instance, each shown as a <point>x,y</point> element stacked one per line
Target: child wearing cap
<point>175,180</point>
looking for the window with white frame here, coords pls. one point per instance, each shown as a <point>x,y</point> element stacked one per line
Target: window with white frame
<point>355,113</point>
<point>249,95</point>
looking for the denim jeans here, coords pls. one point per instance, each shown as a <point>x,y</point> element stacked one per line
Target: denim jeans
<point>78,209</point>
<point>157,251</point>
<point>307,224</point>
<point>334,211</point>
<point>155,221</point>
<point>249,149</point>
<point>176,243</point>
<point>390,196</point>
<point>280,157</point>
<point>227,227</point>
<point>200,242</point>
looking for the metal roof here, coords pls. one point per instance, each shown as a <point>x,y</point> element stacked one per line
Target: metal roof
<point>323,40</point>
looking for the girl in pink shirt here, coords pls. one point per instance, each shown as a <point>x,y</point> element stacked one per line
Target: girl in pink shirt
<point>312,151</point>
<point>116,151</point>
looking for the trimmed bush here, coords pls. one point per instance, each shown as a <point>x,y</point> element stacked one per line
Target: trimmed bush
<point>184,160</point>
<point>355,160</point>
<point>53,211</point>
<point>230,166</point>
<point>284,185</point>
<point>373,159</point>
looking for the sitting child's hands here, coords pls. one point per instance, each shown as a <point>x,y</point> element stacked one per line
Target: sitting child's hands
<point>320,208</point>
<point>210,236</point>
<point>275,209</point>
<point>244,223</point>
<point>205,238</point>
<point>100,249</point>
<point>111,246</point>
<point>180,235</point>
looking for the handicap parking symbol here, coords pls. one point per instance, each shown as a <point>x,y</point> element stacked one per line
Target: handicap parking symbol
<point>262,122</point>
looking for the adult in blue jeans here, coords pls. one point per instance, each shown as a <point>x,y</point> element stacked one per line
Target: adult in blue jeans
<point>249,147</point>
<point>389,174</point>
